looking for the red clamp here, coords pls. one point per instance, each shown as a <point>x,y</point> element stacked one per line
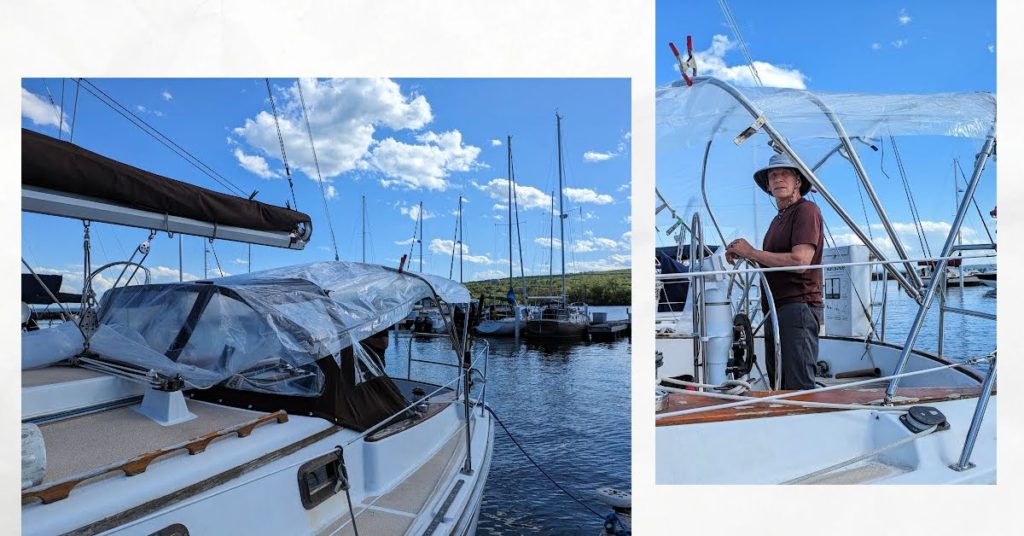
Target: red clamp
<point>690,63</point>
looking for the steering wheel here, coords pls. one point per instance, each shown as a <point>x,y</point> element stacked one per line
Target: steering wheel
<point>753,318</point>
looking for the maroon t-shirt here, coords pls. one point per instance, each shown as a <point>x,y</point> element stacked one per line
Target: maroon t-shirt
<point>800,223</point>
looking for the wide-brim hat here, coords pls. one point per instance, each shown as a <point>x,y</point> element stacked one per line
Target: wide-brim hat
<point>780,161</point>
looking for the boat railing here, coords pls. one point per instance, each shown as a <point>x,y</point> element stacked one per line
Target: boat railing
<point>986,390</point>
<point>662,278</point>
<point>460,345</point>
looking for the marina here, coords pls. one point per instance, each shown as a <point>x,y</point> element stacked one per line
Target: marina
<point>342,397</point>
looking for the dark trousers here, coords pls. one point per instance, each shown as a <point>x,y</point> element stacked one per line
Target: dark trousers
<point>799,324</point>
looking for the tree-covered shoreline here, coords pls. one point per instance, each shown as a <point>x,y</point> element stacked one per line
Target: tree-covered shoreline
<point>595,288</point>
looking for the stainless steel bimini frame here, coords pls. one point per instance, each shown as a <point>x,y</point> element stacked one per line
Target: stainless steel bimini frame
<point>781,145</point>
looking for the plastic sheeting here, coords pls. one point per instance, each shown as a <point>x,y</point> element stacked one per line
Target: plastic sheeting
<point>692,115</point>
<point>261,331</point>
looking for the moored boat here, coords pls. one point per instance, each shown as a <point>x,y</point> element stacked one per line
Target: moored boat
<point>272,382</point>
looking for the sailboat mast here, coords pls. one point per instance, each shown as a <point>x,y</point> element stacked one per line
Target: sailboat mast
<point>551,247</point>
<point>364,228</point>
<point>508,163</point>
<point>420,223</point>
<point>561,210</point>
<point>461,247</point>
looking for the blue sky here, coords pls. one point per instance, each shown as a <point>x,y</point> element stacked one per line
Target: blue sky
<point>396,141</point>
<point>871,47</point>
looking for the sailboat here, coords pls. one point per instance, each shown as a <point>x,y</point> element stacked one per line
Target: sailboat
<point>501,319</point>
<point>270,381</point>
<point>883,411</point>
<point>557,319</point>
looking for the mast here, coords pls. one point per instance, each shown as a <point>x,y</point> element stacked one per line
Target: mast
<point>508,156</point>
<point>364,229</point>
<point>551,247</point>
<point>420,224</point>
<point>461,247</point>
<point>561,210</point>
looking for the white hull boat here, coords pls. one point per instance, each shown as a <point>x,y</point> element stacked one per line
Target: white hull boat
<point>250,404</point>
<point>502,327</point>
<point>881,413</point>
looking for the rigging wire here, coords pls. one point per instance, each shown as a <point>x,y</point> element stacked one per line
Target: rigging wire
<point>280,140</point>
<point>320,179</point>
<point>739,38</point>
<point>74,114</point>
<point>216,259</point>
<point>974,200</point>
<point>864,209</point>
<point>159,136</point>
<point>910,197</point>
<point>519,235</point>
<point>455,241</point>
<point>54,104</point>
<point>60,124</point>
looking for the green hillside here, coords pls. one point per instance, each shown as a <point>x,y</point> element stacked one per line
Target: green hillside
<point>594,288</point>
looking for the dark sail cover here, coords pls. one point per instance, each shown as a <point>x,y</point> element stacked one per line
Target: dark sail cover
<point>57,165</point>
<point>673,298</point>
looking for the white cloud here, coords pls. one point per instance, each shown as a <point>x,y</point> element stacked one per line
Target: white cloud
<point>593,156</point>
<point>140,108</point>
<point>240,261</point>
<point>904,19</point>
<point>254,164</point>
<point>330,192</point>
<point>586,245</point>
<point>992,49</point>
<point>39,111</point>
<point>167,95</point>
<point>627,237</point>
<point>935,233</point>
<point>546,242</point>
<point>488,274</point>
<point>620,148</point>
<point>711,62</point>
<point>876,46</point>
<point>413,211</point>
<point>72,278</point>
<point>445,247</point>
<point>405,242</point>
<point>495,143</point>
<point>586,195</point>
<point>527,196</point>
<point>344,115</point>
<point>900,43</point>
<point>612,262</point>
<point>424,165</point>
<point>622,187</point>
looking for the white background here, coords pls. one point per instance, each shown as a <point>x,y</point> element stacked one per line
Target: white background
<point>525,38</point>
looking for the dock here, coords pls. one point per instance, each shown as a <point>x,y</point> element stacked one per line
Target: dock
<point>609,331</point>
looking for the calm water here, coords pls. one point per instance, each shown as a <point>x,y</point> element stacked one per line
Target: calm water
<point>965,336</point>
<point>568,405</point>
